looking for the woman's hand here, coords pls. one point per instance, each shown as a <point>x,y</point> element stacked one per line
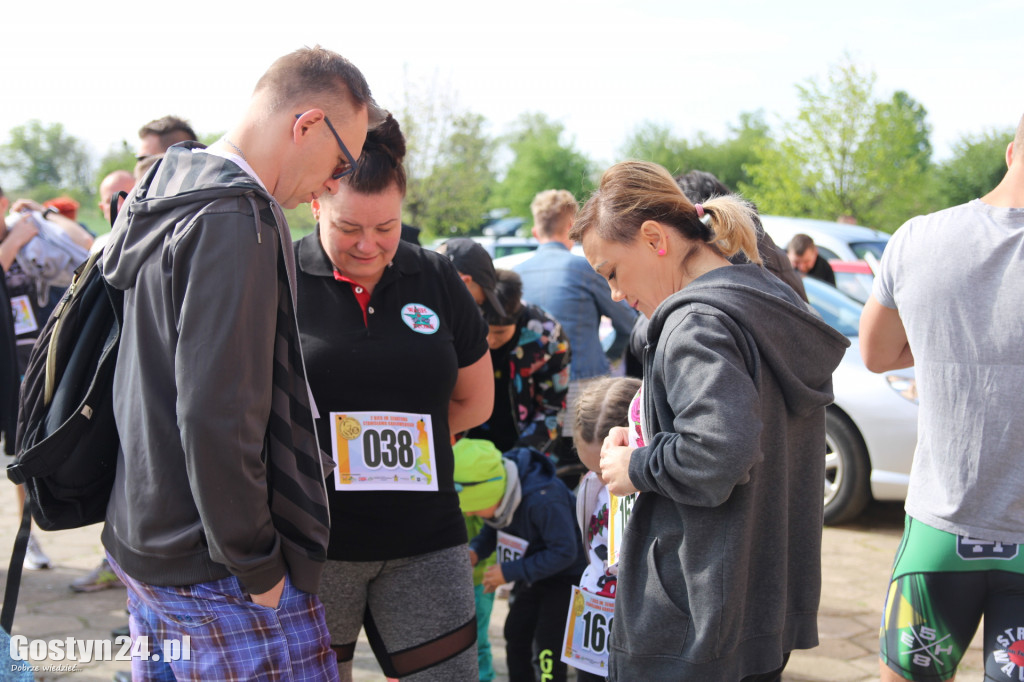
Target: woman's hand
<point>615,454</point>
<point>493,578</point>
<point>473,558</point>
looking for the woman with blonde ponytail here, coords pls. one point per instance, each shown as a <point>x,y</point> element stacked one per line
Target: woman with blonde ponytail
<point>719,569</point>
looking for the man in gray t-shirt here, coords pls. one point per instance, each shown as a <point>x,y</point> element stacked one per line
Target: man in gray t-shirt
<point>948,299</point>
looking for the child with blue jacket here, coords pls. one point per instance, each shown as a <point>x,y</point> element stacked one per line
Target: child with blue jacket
<point>530,520</point>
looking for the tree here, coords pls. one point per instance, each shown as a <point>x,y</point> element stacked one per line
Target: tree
<point>448,163</point>
<point>726,158</point>
<point>121,157</point>
<point>977,165</point>
<point>541,161</point>
<point>40,154</point>
<point>655,142</point>
<point>847,154</point>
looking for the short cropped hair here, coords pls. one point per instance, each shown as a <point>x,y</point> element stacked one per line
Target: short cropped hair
<point>799,244</point>
<point>170,130</point>
<point>551,209</point>
<point>310,73</point>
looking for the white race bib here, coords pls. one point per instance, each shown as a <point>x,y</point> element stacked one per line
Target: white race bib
<point>619,509</point>
<point>588,628</point>
<point>383,451</point>
<point>24,317</point>
<point>510,547</point>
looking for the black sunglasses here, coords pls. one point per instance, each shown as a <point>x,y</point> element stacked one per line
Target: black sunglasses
<point>340,171</point>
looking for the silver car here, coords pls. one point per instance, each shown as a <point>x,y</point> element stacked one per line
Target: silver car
<point>834,240</point>
<point>871,429</point>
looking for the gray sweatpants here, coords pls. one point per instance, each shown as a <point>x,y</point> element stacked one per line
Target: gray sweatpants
<point>404,604</point>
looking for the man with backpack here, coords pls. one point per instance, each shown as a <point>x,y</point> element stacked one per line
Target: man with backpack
<point>217,522</point>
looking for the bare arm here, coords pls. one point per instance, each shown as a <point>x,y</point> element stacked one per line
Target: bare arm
<point>75,232</point>
<point>17,236</point>
<point>472,400</point>
<point>883,340</point>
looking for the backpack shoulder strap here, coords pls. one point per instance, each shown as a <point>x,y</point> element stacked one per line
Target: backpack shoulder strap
<point>15,567</point>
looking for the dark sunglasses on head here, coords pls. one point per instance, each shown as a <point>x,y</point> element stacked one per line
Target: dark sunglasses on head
<point>340,171</point>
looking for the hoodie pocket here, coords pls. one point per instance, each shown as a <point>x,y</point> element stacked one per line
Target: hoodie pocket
<point>648,618</point>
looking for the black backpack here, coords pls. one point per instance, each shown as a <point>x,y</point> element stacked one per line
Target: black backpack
<point>67,440</point>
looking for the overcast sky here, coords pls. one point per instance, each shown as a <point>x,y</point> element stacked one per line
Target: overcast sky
<point>601,67</point>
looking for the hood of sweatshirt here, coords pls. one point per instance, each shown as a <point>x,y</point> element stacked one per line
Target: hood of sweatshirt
<point>535,470</point>
<point>167,196</point>
<point>800,349</point>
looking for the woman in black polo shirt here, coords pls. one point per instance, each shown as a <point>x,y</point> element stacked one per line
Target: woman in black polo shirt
<point>397,359</point>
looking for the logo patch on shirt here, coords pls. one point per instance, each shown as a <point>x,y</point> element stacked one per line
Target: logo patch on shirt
<point>420,318</point>
<point>969,548</point>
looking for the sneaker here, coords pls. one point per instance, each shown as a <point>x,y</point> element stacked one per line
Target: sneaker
<point>100,578</point>
<point>35,558</point>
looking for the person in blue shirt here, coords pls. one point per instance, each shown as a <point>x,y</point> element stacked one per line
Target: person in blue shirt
<point>565,285</point>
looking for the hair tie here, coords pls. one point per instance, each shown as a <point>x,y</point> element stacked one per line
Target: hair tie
<point>701,216</point>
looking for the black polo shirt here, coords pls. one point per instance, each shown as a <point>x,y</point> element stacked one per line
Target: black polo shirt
<point>385,364</point>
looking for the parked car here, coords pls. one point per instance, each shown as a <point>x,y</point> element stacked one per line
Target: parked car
<point>498,247</point>
<point>871,428</point>
<point>854,278</point>
<point>835,241</point>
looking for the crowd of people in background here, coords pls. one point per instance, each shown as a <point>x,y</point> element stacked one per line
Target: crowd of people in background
<point>354,433</point>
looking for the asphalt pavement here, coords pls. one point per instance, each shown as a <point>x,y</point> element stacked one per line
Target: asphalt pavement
<point>856,560</point>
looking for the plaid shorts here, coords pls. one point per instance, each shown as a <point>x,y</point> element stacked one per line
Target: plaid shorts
<point>229,637</point>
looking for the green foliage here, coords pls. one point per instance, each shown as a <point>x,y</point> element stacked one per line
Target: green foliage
<point>541,161</point>
<point>121,157</point>
<point>847,154</point>
<point>209,138</point>
<point>449,162</point>
<point>655,142</point>
<point>45,155</point>
<point>726,159</point>
<point>450,196</point>
<point>977,165</point>
<point>300,220</point>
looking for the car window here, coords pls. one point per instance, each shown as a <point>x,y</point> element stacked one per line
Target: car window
<point>856,285</point>
<point>827,254</point>
<point>839,311</point>
<point>509,249</point>
<point>862,249</point>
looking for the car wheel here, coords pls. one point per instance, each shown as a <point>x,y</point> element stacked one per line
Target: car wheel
<point>847,470</point>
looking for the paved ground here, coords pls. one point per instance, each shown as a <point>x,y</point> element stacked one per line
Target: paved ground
<point>856,560</point>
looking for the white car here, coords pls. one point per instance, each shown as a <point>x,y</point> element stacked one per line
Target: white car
<point>835,241</point>
<point>871,428</point>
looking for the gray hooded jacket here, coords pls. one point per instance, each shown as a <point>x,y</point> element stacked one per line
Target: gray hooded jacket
<point>220,471</point>
<point>720,573</point>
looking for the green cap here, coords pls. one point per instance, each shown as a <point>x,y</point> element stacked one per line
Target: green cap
<point>479,474</point>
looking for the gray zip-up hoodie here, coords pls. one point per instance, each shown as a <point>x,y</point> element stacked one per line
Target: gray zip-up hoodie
<point>220,470</point>
<point>721,569</point>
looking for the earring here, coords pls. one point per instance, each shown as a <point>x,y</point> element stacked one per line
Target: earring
<point>661,252</point>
